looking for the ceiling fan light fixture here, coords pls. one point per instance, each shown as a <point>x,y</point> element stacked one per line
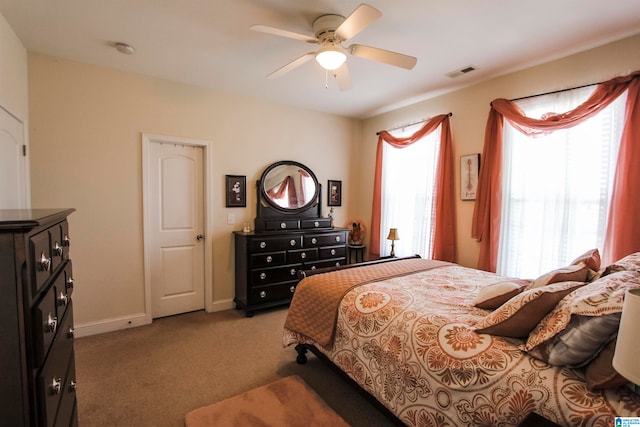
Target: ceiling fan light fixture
<point>330,58</point>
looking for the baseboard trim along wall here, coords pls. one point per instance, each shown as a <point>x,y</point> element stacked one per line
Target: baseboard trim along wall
<point>134,320</point>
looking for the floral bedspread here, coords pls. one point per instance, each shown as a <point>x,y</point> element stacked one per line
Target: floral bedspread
<point>407,341</point>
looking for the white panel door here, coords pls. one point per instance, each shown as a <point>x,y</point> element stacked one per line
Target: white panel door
<point>14,192</point>
<point>177,228</point>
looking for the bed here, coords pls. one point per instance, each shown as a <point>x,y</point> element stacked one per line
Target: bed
<point>436,343</point>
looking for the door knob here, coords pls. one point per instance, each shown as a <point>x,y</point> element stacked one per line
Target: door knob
<point>200,237</point>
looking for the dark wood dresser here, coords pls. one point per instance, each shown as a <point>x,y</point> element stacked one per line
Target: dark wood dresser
<point>36,318</point>
<point>266,264</point>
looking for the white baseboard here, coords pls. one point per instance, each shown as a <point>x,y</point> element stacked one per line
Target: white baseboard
<point>125,322</point>
<point>139,319</point>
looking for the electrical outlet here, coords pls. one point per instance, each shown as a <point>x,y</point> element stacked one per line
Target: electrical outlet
<point>231,219</point>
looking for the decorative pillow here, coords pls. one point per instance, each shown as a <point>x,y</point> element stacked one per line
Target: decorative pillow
<point>590,258</point>
<point>629,263</point>
<point>580,341</point>
<point>600,373</point>
<point>598,298</point>
<point>517,317</point>
<point>496,294</point>
<point>571,273</point>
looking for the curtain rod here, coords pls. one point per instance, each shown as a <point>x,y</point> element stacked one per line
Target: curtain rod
<point>554,91</point>
<point>409,124</point>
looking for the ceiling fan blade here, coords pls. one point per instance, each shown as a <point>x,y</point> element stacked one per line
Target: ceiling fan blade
<point>291,65</point>
<point>361,18</point>
<point>386,56</point>
<point>342,77</point>
<point>283,33</point>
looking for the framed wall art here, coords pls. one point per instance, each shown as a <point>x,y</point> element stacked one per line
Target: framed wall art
<point>236,190</point>
<point>469,167</point>
<point>335,193</point>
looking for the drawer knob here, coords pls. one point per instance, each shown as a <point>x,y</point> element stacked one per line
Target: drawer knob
<point>263,276</point>
<point>263,294</point>
<point>283,225</point>
<point>71,333</point>
<point>56,386</point>
<point>72,385</point>
<point>313,267</point>
<point>303,255</point>
<point>52,323</point>
<point>292,271</point>
<point>314,240</point>
<point>263,245</point>
<point>45,262</point>
<point>333,251</point>
<point>338,264</point>
<point>63,299</point>
<point>70,282</point>
<point>57,249</point>
<point>338,238</point>
<point>316,224</point>
<point>292,242</point>
<point>292,289</point>
<point>269,258</point>
<point>66,241</point>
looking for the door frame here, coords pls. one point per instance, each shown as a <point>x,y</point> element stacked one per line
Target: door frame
<point>207,168</point>
<point>26,166</point>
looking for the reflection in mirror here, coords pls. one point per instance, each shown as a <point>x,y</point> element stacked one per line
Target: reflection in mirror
<point>289,186</point>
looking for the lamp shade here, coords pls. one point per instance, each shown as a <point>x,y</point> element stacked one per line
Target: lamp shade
<point>393,234</point>
<point>330,58</point>
<point>625,358</point>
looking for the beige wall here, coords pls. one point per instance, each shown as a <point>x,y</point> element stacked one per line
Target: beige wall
<point>470,107</point>
<point>86,126</point>
<point>13,73</point>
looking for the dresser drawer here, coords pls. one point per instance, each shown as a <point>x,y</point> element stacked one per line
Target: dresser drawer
<point>52,378</point>
<point>40,251</point>
<point>282,225</point>
<point>303,255</point>
<point>268,259</point>
<point>266,276</point>
<point>337,262</point>
<point>45,324</point>
<point>315,223</point>
<point>272,244</point>
<point>333,252</point>
<point>326,239</point>
<point>68,397</point>
<point>273,293</point>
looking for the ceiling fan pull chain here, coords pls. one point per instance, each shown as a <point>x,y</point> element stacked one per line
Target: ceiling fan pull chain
<point>326,79</point>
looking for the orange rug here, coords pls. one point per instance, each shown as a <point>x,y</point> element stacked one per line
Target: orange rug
<point>286,402</point>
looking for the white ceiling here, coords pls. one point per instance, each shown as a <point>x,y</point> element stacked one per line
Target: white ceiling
<point>208,43</point>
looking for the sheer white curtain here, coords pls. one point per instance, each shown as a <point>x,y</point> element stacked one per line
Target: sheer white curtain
<point>556,188</point>
<point>408,179</point>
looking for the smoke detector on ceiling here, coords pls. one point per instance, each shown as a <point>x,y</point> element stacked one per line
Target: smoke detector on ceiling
<point>465,70</point>
<point>125,48</point>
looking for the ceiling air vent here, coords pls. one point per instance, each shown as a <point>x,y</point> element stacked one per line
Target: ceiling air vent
<point>465,70</point>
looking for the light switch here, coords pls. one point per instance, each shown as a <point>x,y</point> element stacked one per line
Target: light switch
<point>231,219</point>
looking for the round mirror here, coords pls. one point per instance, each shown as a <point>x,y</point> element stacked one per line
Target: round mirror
<point>289,186</point>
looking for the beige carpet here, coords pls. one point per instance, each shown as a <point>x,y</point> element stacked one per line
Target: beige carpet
<point>154,375</point>
<point>288,402</point>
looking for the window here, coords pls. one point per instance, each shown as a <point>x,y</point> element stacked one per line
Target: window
<point>556,188</point>
<point>408,180</point>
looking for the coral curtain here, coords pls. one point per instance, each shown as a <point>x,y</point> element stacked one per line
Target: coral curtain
<point>444,239</point>
<point>287,187</point>
<point>623,230</point>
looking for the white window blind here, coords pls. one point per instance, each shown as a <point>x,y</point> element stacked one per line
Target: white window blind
<point>408,181</point>
<point>556,188</point>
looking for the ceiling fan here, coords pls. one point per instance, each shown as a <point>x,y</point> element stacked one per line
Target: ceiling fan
<point>330,32</point>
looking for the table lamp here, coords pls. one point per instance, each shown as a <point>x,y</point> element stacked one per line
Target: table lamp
<point>625,357</point>
<point>393,236</point>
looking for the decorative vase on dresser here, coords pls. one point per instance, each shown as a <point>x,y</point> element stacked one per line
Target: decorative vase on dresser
<point>290,235</point>
<point>36,317</point>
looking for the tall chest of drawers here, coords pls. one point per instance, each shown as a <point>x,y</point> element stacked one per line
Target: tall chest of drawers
<point>266,264</point>
<point>36,319</point>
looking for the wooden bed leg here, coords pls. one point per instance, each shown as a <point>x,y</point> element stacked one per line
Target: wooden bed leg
<point>302,354</point>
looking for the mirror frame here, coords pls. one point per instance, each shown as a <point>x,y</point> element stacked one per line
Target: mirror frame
<point>313,201</point>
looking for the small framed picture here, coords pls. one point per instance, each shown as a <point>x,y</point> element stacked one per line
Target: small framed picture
<point>236,189</point>
<point>335,193</point>
<point>469,167</point>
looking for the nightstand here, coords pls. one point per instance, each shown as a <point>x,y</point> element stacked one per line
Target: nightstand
<point>355,253</point>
